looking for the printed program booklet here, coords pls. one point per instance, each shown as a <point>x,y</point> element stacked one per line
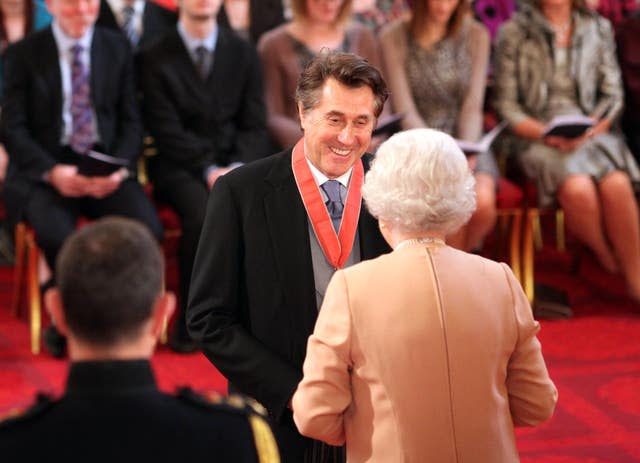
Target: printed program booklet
<point>569,126</point>
<point>470,148</point>
<point>96,164</point>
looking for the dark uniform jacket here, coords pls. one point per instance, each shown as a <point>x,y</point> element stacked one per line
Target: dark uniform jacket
<point>113,412</point>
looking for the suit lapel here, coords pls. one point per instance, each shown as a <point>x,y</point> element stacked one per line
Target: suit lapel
<point>184,64</point>
<point>50,70</point>
<point>99,69</point>
<point>289,234</point>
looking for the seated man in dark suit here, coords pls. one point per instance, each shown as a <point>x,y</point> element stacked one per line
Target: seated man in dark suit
<point>141,21</point>
<point>110,303</point>
<point>202,101</point>
<point>70,89</point>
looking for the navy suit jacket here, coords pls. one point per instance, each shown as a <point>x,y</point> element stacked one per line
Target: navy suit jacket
<point>252,302</point>
<point>32,105</point>
<point>196,122</point>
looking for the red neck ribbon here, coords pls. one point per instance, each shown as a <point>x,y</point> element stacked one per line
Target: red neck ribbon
<point>336,248</point>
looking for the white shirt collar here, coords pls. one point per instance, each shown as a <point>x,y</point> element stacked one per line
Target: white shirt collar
<point>64,42</point>
<point>320,178</point>
<point>191,43</point>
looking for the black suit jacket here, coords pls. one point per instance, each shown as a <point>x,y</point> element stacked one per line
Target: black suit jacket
<point>32,105</point>
<point>156,20</point>
<point>197,123</point>
<point>252,302</point>
<point>113,411</point>
<point>264,15</point>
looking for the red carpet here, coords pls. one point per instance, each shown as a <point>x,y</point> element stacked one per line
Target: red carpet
<point>594,359</point>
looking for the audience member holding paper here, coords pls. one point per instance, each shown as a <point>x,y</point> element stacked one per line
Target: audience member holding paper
<point>590,175</point>
<point>436,65</point>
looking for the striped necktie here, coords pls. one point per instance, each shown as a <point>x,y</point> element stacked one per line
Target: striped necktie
<point>333,189</point>
<point>128,25</point>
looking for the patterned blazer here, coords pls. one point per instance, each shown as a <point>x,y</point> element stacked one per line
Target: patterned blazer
<point>524,66</point>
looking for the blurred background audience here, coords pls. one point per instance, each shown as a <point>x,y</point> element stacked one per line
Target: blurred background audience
<point>285,51</point>
<point>436,65</point>
<point>590,176</point>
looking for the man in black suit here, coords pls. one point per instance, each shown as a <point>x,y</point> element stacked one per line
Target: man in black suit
<point>206,115</point>
<point>269,243</point>
<point>110,303</point>
<point>141,21</point>
<point>70,89</point>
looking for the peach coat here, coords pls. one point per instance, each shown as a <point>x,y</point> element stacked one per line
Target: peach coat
<point>427,354</point>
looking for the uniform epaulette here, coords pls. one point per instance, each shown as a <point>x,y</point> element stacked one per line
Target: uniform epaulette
<point>265,443</point>
<point>42,404</point>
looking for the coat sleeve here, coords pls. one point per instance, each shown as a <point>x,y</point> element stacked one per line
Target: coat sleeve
<point>215,317</point>
<point>25,152</point>
<point>532,394</point>
<point>325,390</point>
<point>507,102</point>
<point>469,126</point>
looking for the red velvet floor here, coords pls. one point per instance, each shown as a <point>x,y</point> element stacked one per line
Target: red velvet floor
<point>594,359</point>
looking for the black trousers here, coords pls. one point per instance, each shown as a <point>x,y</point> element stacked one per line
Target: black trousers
<point>187,195</point>
<point>54,217</point>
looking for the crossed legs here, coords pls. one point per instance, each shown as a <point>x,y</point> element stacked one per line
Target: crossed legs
<point>604,216</point>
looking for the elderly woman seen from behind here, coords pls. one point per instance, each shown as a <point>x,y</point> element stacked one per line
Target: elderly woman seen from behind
<point>427,353</point>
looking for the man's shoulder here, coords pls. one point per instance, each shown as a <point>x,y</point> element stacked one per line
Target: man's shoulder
<point>18,417</point>
<point>33,41</point>
<point>278,164</point>
<point>238,415</point>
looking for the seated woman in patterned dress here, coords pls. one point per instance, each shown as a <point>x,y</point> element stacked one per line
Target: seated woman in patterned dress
<point>436,65</point>
<point>555,57</point>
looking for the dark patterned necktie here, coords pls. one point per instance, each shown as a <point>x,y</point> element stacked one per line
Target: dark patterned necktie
<point>203,62</point>
<point>128,26</point>
<point>334,204</point>
<point>81,137</point>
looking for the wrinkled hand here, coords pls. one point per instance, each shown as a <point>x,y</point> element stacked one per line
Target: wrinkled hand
<point>66,180</point>
<point>215,174</point>
<point>101,187</point>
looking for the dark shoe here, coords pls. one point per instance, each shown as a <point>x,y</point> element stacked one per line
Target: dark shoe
<point>55,343</point>
<point>551,303</point>
<point>182,343</point>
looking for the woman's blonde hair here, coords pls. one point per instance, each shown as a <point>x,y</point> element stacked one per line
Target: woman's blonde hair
<point>299,10</point>
<point>420,13</point>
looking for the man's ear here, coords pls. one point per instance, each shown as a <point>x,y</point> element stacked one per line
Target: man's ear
<point>162,310</point>
<point>301,115</point>
<point>53,303</point>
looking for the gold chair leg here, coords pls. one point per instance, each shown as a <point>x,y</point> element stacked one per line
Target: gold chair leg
<point>19,267</point>
<point>514,251</point>
<point>527,253</point>
<point>164,337</point>
<point>35,306</point>
<point>561,243</point>
<point>537,229</point>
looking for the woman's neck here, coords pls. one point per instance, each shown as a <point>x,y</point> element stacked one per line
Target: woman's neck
<point>431,34</point>
<point>557,15</point>
<point>317,35</point>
